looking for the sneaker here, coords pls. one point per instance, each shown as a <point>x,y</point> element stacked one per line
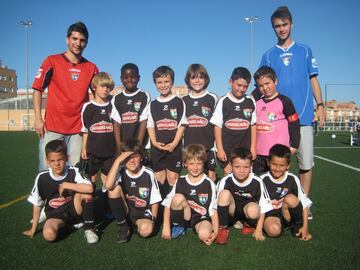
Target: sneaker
<point>247,229</point>
<point>222,237</point>
<point>177,231</point>
<point>124,233</point>
<point>310,215</point>
<point>103,189</point>
<point>91,237</point>
<point>77,226</point>
<point>238,225</point>
<point>42,217</point>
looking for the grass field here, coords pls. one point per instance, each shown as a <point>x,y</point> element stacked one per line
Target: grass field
<point>335,228</point>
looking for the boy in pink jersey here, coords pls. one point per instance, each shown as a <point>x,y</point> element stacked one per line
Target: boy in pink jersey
<point>277,120</point>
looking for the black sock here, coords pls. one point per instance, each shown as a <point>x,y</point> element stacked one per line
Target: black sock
<point>88,213</point>
<point>296,220</point>
<point>177,217</point>
<point>118,209</point>
<point>164,189</point>
<point>223,212</point>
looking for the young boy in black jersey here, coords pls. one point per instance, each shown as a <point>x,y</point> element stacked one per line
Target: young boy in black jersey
<point>235,119</point>
<point>65,194</point>
<point>133,192</point>
<point>98,135</point>
<point>289,202</point>
<point>192,201</point>
<point>200,106</point>
<point>166,125</point>
<point>242,196</point>
<point>130,108</point>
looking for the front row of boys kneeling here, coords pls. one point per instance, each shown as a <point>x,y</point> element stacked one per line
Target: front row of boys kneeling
<point>262,205</point>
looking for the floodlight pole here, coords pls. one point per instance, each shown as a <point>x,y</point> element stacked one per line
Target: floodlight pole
<point>26,25</point>
<point>251,20</point>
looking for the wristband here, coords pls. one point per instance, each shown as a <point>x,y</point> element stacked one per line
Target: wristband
<point>319,104</point>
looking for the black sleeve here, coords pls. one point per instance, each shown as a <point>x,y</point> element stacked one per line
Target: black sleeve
<point>256,94</point>
<point>293,121</point>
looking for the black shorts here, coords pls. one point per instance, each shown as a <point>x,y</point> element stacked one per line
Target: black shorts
<point>66,213</point>
<point>278,214</point>
<point>260,165</point>
<point>161,160</point>
<point>135,214</point>
<point>239,214</point>
<point>210,163</point>
<point>99,163</point>
<point>224,164</point>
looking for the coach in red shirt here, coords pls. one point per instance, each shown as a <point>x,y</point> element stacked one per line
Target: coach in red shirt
<point>67,76</point>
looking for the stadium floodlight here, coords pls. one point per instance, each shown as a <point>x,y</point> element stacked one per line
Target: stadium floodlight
<point>26,25</point>
<point>251,20</point>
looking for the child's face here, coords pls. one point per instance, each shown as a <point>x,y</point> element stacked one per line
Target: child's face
<point>278,166</point>
<point>267,87</point>
<point>195,167</point>
<point>197,83</point>
<point>133,163</point>
<point>102,92</point>
<point>57,162</point>
<point>129,79</point>
<point>238,87</point>
<point>164,85</point>
<point>241,168</point>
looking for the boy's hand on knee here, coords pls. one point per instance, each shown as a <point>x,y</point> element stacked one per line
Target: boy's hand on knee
<point>210,239</point>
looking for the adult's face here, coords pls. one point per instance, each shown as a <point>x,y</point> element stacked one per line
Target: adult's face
<point>76,43</point>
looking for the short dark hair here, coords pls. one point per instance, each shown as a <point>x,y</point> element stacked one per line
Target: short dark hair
<point>265,71</point>
<point>194,71</point>
<point>242,153</point>
<point>241,73</point>
<point>163,71</point>
<point>56,146</point>
<point>130,66</point>
<point>281,13</point>
<point>78,27</point>
<point>133,145</point>
<point>280,151</point>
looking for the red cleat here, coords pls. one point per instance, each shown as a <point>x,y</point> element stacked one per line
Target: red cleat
<point>247,230</point>
<point>223,236</point>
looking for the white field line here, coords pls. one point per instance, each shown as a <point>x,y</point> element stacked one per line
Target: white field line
<point>336,147</point>
<point>338,163</point>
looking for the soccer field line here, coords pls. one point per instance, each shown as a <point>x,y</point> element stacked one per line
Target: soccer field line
<point>335,147</point>
<point>338,163</point>
<point>2,206</point>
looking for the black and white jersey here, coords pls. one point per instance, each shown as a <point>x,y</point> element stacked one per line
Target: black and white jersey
<point>141,190</point>
<point>251,190</point>
<point>129,109</point>
<point>199,110</point>
<point>279,189</point>
<point>201,196</point>
<point>235,117</point>
<point>46,189</point>
<point>166,116</point>
<point>96,122</point>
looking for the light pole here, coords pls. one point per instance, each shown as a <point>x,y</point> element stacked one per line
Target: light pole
<point>251,20</point>
<point>26,25</point>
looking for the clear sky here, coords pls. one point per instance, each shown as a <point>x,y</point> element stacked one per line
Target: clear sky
<point>178,33</point>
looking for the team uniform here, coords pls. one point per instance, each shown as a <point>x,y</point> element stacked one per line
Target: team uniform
<point>141,191</point>
<point>46,193</point>
<point>68,86</point>
<point>200,196</point>
<point>199,110</point>
<point>166,116</point>
<point>100,145</point>
<point>129,109</point>
<point>277,122</point>
<point>251,190</point>
<point>277,191</point>
<point>235,117</point>
<point>294,67</point>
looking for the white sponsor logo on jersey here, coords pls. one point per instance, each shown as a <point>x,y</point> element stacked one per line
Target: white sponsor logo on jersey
<point>38,75</point>
<point>102,127</point>
<point>129,117</point>
<point>263,127</point>
<point>197,121</point>
<point>237,124</point>
<point>166,124</point>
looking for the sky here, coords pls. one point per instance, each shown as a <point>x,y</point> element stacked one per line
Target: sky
<point>151,33</point>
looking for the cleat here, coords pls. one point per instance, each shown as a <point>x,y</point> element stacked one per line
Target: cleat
<point>247,230</point>
<point>177,231</point>
<point>42,217</point>
<point>91,237</point>
<point>222,237</point>
<point>238,225</point>
<point>77,226</point>
<point>310,215</point>
<point>124,233</point>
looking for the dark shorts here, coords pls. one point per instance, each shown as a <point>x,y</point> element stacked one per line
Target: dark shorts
<point>66,213</point>
<point>278,214</point>
<point>239,214</point>
<point>210,164</point>
<point>136,214</point>
<point>166,161</point>
<point>99,163</point>
<point>260,165</point>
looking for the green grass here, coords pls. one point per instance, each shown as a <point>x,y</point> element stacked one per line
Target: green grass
<point>335,228</point>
